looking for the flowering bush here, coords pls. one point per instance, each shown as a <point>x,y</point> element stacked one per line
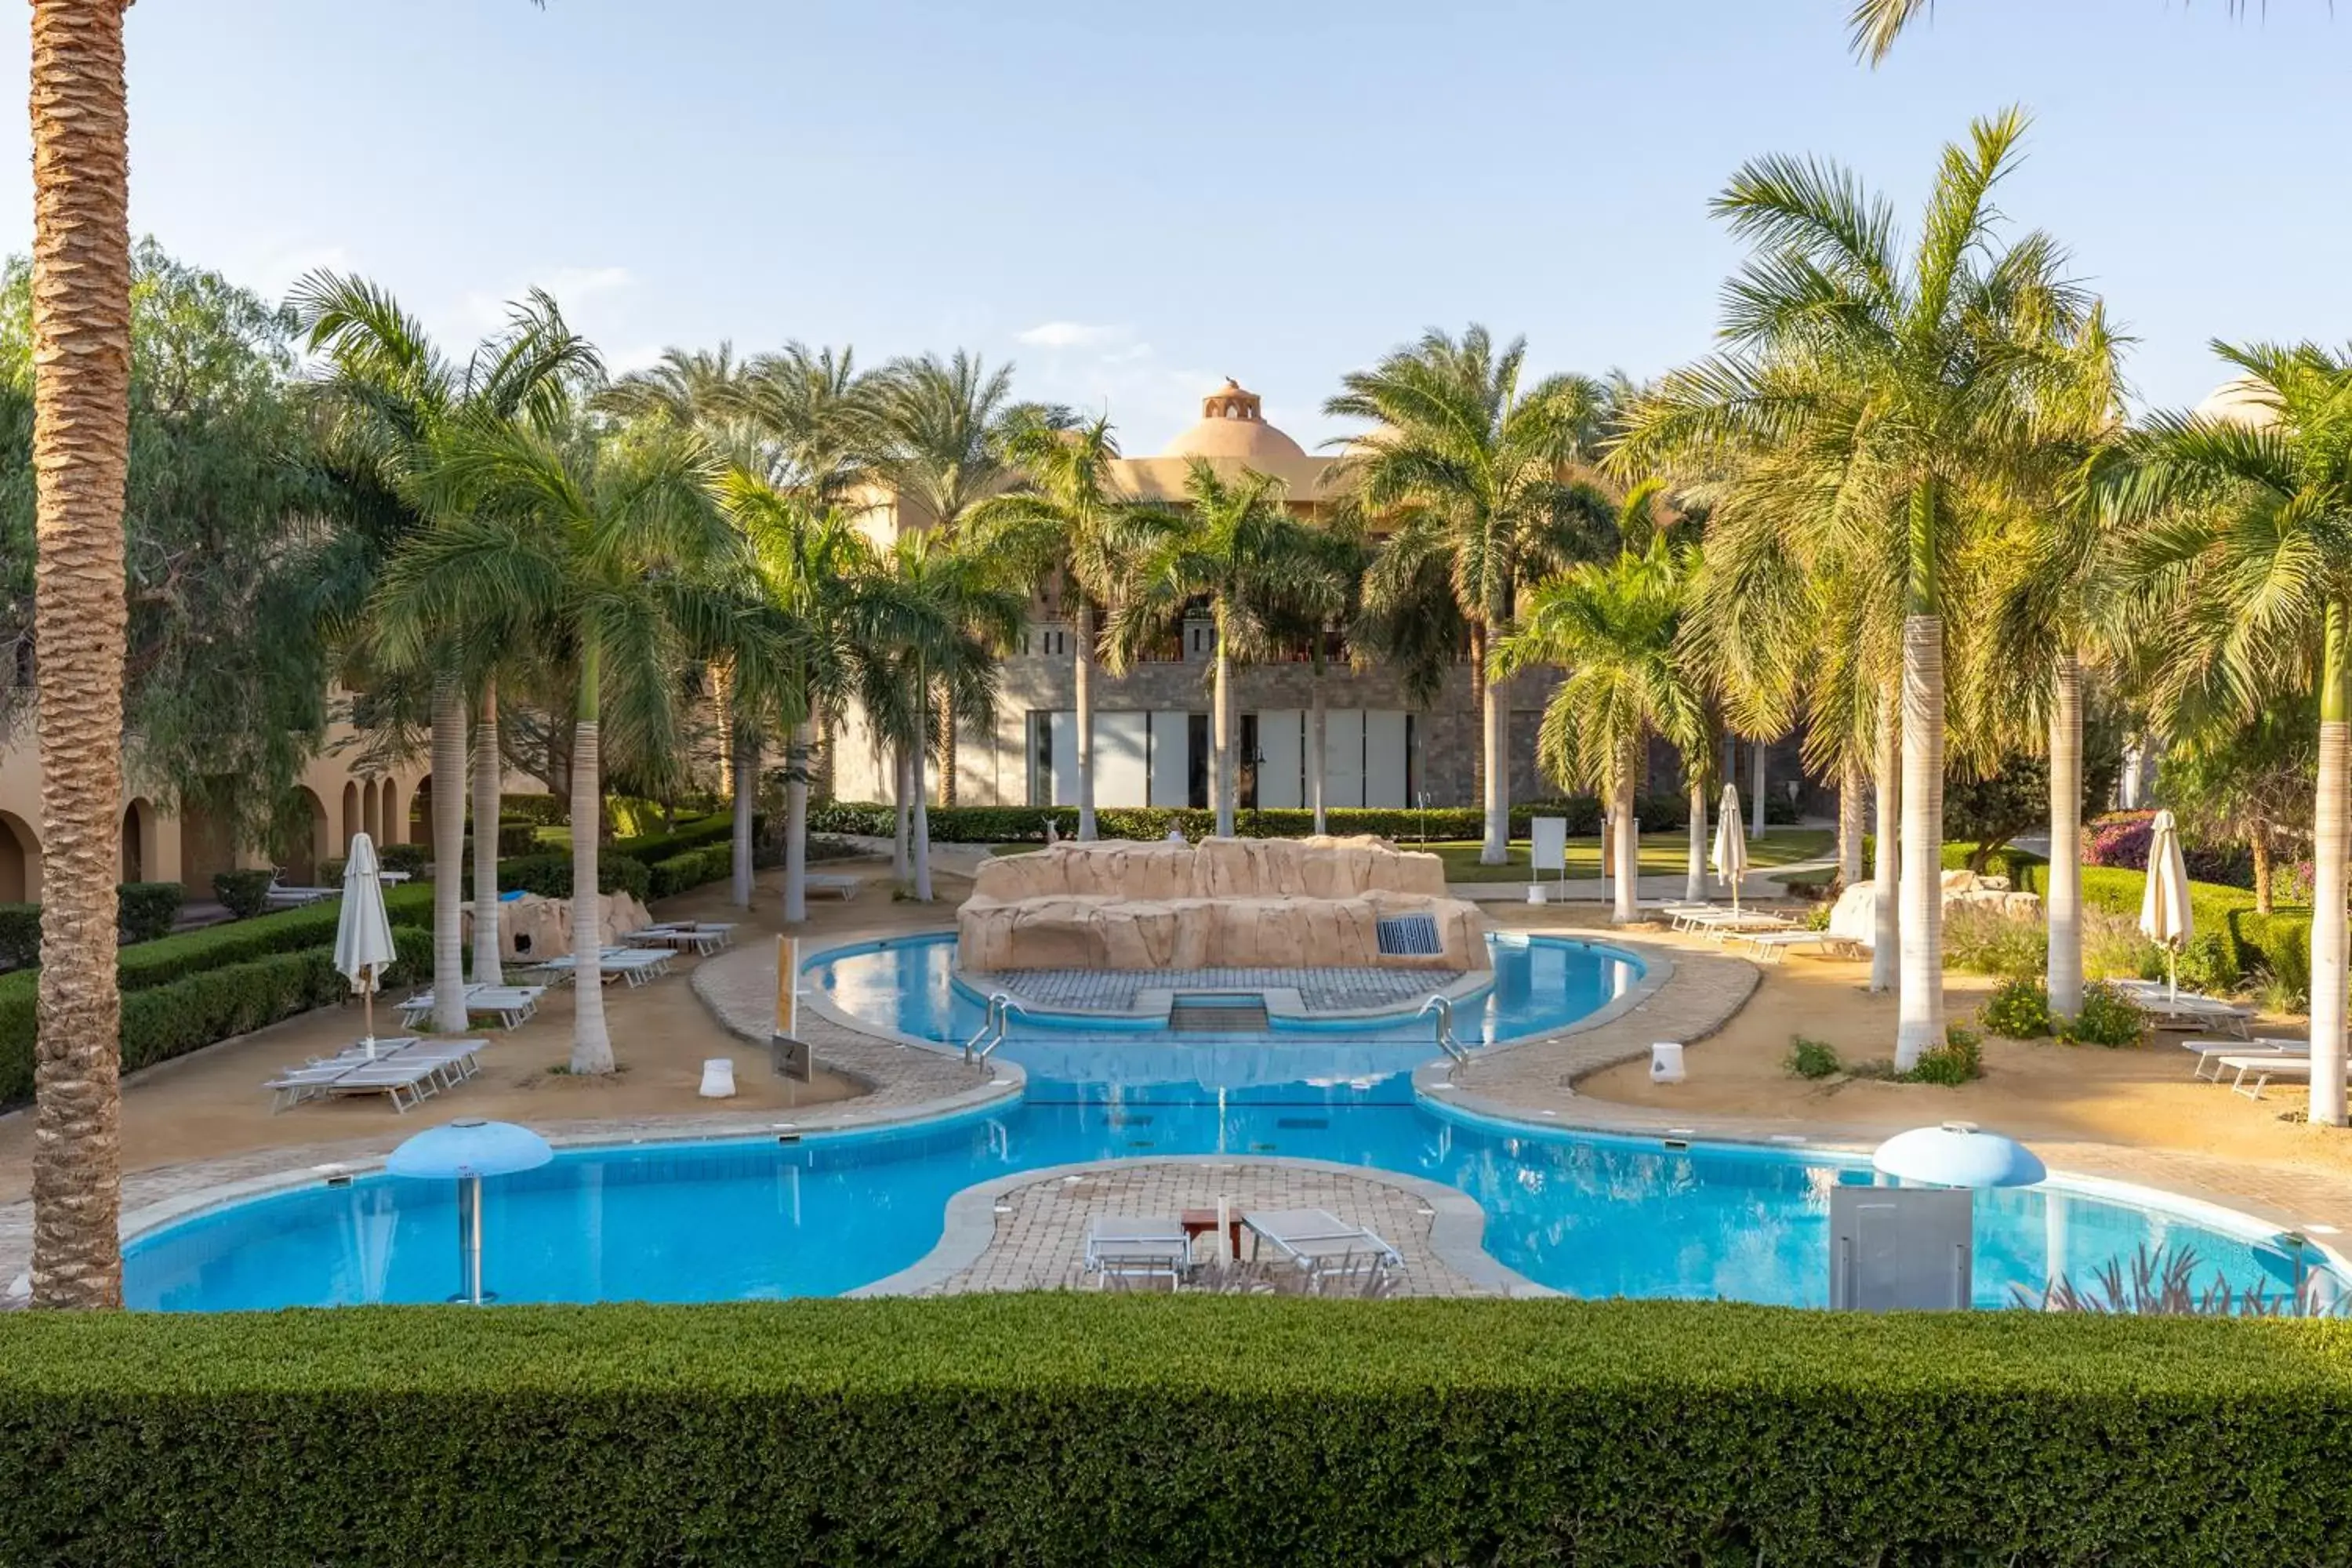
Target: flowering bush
<point>2120,838</point>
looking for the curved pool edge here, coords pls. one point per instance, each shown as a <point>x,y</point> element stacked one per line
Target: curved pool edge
<point>1457,1227</point>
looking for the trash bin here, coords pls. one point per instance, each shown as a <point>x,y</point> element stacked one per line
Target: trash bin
<point>1665,1062</point>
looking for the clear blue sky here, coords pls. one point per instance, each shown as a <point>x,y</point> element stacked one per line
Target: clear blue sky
<point>1133,200</point>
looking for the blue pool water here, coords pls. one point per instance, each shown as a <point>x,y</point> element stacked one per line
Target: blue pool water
<point>753,1218</point>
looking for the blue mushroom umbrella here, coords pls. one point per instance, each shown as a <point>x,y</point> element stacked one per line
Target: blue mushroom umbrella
<point>464,1152</point>
<point>1958,1154</point>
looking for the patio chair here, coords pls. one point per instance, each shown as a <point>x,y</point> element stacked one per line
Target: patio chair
<point>1122,1249</point>
<point>842,887</point>
<point>2188,1010</point>
<point>1321,1243</point>
<point>1721,923</point>
<point>1770,945</point>
<point>282,897</point>
<point>512,1005</point>
<point>2262,1067</point>
<point>2210,1052</point>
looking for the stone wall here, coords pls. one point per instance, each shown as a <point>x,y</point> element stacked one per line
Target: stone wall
<point>1288,903</point>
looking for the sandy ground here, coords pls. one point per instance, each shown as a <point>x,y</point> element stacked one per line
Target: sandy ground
<point>211,1103</point>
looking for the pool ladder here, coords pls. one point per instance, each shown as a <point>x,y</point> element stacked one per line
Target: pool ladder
<point>1446,1038</point>
<point>1002,1005</point>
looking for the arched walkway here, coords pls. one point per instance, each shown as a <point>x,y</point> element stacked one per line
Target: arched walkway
<point>371,805</point>
<point>420,812</point>
<point>207,847</point>
<point>302,838</point>
<point>395,830</point>
<point>137,840</point>
<point>353,822</point>
<point>20,860</point>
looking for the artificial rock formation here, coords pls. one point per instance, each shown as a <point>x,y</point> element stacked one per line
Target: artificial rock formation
<point>1264,903</point>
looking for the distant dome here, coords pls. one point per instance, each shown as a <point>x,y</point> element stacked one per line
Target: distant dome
<point>1233,426</point>
<point>2242,401</point>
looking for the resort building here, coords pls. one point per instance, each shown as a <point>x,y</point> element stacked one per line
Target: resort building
<point>1153,739</point>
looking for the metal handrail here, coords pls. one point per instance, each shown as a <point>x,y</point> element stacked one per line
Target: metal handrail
<point>1446,1037</point>
<point>1002,1005</point>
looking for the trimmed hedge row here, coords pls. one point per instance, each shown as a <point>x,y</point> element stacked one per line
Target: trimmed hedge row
<point>145,911</point>
<point>1080,1428</point>
<point>208,1006</point>
<point>549,876</point>
<point>1026,824</point>
<point>681,873</point>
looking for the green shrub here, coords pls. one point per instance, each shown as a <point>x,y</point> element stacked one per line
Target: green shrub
<point>245,893</point>
<point>2009,860</point>
<point>1958,1060</point>
<point>409,859</point>
<point>1811,1058</point>
<point>652,846</point>
<point>2019,1009</point>
<point>516,838</point>
<point>679,873</point>
<point>541,810</point>
<point>2279,942</point>
<point>1082,1429</point>
<point>20,936</point>
<point>147,911</point>
<point>2107,1018</point>
<point>549,876</point>
<point>1990,942</point>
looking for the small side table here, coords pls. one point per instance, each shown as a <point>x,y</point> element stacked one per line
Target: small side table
<point>1198,1223</point>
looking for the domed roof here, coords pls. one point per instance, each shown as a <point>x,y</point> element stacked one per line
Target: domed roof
<point>1233,425</point>
<point>2239,400</point>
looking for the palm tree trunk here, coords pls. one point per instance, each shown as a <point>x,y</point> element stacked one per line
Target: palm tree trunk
<point>1627,907</point>
<point>1886,936</point>
<point>796,800</point>
<point>1085,697</point>
<point>2066,888</point>
<point>450,774</point>
<point>1478,706</point>
<point>900,865</point>
<point>1755,789</point>
<point>918,808</point>
<point>2330,842</point>
<point>744,782</point>
<point>1694,870</point>
<point>488,969</point>
<point>1852,823</point>
<point>2258,845</point>
<point>81,341</point>
<point>1221,702</point>
<point>1318,704</point>
<point>592,1047</point>
<point>946,749</point>
<point>1919,1000</point>
<point>1496,715</point>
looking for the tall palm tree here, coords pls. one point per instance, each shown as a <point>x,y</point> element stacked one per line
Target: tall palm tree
<point>2249,558</point>
<point>943,434</point>
<point>1237,545</point>
<point>1878,24</point>
<point>606,556</point>
<point>1064,521</point>
<point>396,397</point>
<point>1612,629</point>
<point>82,417</point>
<point>1914,380</point>
<point>1474,468</point>
<point>938,612</point>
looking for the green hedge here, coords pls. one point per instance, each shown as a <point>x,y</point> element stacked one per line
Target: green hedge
<point>1026,824</point>
<point>20,936</point>
<point>652,846</point>
<point>549,876</point>
<point>681,873</point>
<point>541,810</point>
<point>1080,1428</point>
<point>145,911</point>
<point>245,893</point>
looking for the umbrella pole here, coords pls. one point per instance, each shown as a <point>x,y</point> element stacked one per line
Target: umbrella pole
<point>469,1240</point>
<point>2172,974</point>
<point>367,1003</point>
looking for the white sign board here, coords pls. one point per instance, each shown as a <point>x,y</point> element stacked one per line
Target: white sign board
<point>1547,837</point>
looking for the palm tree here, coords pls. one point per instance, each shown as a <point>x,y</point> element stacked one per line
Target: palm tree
<point>396,397</point>
<point>943,434</point>
<point>1065,520</point>
<point>81,413</point>
<point>1613,630</point>
<point>1878,24</point>
<point>1237,545</point>
<point>1472,469</point>
<point>938,612</point>
<point>2249,558</point>
<point>606,556</point>
<point>1914,381</point>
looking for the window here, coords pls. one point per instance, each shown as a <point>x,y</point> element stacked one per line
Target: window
<point>1249,762</point>
<point>1196,737</point>
<point>1041,757</point>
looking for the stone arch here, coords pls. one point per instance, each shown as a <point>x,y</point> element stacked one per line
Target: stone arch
<point>20,860</point>
<point>394,828</point>
<point>353,822</point>
<point>420,811</point>
<point>207,846</point>
<point>303,838</point>
<point>139,857</point>
<point>371,805</point>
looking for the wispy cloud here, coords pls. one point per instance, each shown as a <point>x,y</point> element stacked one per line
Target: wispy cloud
<point>1074,335</point>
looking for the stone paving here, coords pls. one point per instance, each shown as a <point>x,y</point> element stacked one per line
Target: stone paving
<point>1319,990</point>
<point>1039,1234</point>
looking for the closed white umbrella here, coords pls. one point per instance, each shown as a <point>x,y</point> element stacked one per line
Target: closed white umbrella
<point>1730,859</point>
<point>2164,913</point>
<point>363,948</point>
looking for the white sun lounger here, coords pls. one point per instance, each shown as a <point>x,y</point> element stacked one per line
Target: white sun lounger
<point>512,1005</point>
<point>409,1071</point>
<point>1719,922</point>
<point>1770,945</point>
<point>2187,1011</point>
<point>635,964</point>
<point>703,942</point>
<point>1137,1250</point>
<point>1320,1241</point>
<point>842,887</point>
<point>2262,1067</point>
<point>2210,1052</point>
<point>281,897</point>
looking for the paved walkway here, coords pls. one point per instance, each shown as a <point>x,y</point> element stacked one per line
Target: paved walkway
<point>1028,1232</point>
